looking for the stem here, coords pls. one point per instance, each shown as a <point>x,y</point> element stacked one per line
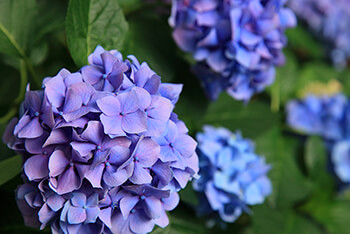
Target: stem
<point>24,81</point>
<point>32,72</point>
<point>275,96</point>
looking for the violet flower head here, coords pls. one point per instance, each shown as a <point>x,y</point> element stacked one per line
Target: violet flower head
<point>329,20</point>
<point>237,44</point>
<point>103,151</point>
<point>232,175</point>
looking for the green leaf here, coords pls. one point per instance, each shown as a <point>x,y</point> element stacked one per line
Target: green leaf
<point>16,25</point>
<point>289,184</point>
<point>274,221</point>
<point>188,195</point>
<point>9,168</point>
<point>94,22</point>
<point>252,119</point>
<point>303,42</point>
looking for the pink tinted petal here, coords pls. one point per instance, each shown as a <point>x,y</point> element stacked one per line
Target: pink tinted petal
<point>109,105</point>
<point>181,177</point>
<point>160,108</point>
<point>36,167</point>
<point>21,124</point>
<point>144,98</point>
<point>57,163</point>
<point>105,216</point>
<point>135,122</point>
<point>76,215</point>
<point>55,202</point>
<point>55,90</point>
<point>171,202</point>
<point>57,136</point>
<point>116,178</point>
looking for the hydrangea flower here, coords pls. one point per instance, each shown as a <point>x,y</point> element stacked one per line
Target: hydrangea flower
<point>327,116</point>
<point>232,175</point>
<point>330,19</point>
<point>102,149</point>
<point>237,44</point>
<point>322,115</point>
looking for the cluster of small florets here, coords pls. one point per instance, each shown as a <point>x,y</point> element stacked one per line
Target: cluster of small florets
<point>330,19</point>
<point>329,117</point>
<point>232,176</point>
<point>103,150</point>
<point>237,44</point>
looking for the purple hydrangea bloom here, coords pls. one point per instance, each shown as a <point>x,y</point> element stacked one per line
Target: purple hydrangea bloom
<point>102,149</point>
<point>330,19</point>
<point>319,115</point>
<point>232,175</point>
<point>237,44</point>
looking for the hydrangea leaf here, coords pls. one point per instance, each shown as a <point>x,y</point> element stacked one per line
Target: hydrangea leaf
<point>91,23</point>
<point>289,184</point>
<point>9,168</point>
<point>274,221</point>
<point>16,25</point>
<point>253,119</point>
<point>316,163</point>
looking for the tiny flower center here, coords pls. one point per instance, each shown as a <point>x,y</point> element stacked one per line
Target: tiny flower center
<point>122,113</point>
<point>36,114</point>
<point>60,113</point>
<point>114,205</point>
<point>45,152</point>
<point>107,164</point>
<point>142,197</point>
<point>104,76</point>
<point>171,145</point>
<point>71,164</point>
<point>98,147</point>
<point>162,199</point>
<point>132,211</point>
<point>136,159</point>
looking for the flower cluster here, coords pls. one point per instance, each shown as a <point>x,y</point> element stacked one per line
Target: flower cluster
<point>103,150</point>
<point>237,44</point>
<point>232,176</point>
<point>329,117</point>
<point>330,19</point>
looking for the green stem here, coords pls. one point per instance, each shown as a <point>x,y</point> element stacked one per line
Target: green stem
<point>275,96</point>
<point>32,72</point>
<point>24,81</point>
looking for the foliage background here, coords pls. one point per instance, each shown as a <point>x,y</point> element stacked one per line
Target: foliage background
<point>39,37</point>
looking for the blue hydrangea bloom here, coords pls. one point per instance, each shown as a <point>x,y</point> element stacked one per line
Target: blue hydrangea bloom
<point>340,156</point>
<point>103,151</point>
<point>330,19</point>
<point>237,44</point>
<point>323,115</point>
<point>232,175</point>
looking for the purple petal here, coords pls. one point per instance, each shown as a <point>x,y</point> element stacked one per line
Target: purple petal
<point>68,181</point>
<point>163,172</point>
<point>118,155</point>
<point>45,215</point>
<point>148,152</point>
<point>109,105</point>
<point>181,177</point>
<point>152,84</point>
<point>135,122</point>
<point>92,214</point>
<point>55,202</point>
<point>153,207</point>
<point>78,199</point>
<point>108,61</point>
<point>127,204</point>
<point>32,130</point>
<point>83,148</point>
<point>140,224</point>
<point>112,125</point>
<point>94,175</point>
<point>163,220</point>
<point>171,202</point>
<point>36,167</point>
<point>105,216</point>
<point>116,178</point>
<point>143,74</point>
<point>128,101</point>
<point>76,215</point>
<point>57,163</point>
<point>55,90</point>
<point>185,145</point>
<point>57,136</point>
<point>91,74</point>
<point>140,175</point>
<point>160,108</point>
<point>171,91</point>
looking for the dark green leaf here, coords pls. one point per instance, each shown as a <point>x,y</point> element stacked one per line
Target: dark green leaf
<point>94,22</point>
<point>289,184</point>
<point>9,168</point>
<point>252,119</point>
<point>16,25</point>
<point>273,221</point>
<point>188,195</point>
